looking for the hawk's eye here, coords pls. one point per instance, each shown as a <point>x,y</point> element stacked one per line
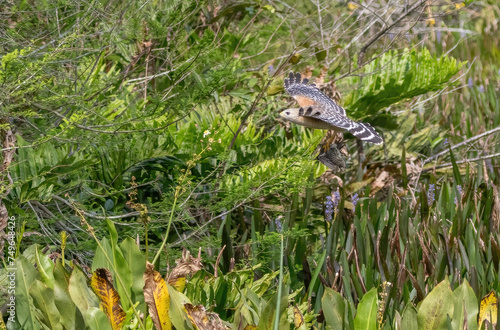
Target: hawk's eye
<point>288,113</point>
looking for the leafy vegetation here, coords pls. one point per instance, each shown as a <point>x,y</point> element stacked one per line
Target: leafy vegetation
<point>148,181</point>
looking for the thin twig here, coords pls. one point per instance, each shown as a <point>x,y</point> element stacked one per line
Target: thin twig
<point>472,139</point>
<point>216,268</point>
<point>90,215</point>
<point>461,162</point>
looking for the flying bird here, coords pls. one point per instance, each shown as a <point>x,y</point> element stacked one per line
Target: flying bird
<point>319,111</point>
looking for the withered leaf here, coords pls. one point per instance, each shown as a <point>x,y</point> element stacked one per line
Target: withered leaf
<point>102,284</point>
<point>203,320</point>
<point>187,265</point>
<point>298,318</point>
<point>157,297</point>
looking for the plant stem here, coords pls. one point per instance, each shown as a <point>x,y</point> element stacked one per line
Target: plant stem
<point>91,230</point>
<point>146,238</point>
<point>280,284</point>
<point>177,191</point>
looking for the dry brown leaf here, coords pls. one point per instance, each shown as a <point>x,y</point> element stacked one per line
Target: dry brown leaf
<point>203,320</point>
<point>380,181</point>
<point>329,178</point>
<point>102,284</point>
<point>307,72</point>
<point>495,214</point>
<point>157,297</point>
<point>187,265</point>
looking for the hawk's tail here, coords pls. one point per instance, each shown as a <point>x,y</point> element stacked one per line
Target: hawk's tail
<point>295,78</point>
<point>366,132</point>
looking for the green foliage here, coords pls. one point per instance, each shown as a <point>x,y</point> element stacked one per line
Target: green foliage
<point>236,297</point>
<point>394,77</point>
<point>366,314</point>
<point>142,129</point>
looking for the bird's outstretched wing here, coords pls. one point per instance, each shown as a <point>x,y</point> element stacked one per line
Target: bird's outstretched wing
<point>315,104</point>
<point>308,94</point>
<point>363,131</point>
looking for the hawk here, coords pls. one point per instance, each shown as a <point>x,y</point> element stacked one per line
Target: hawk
<point>319,111</point>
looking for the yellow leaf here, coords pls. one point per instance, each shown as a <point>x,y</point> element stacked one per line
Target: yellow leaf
<point>431,21</point>
<point>488,310</point>
<point>352,6</point>
<point>178,283</point>
<point>157,297</point>
<point>269,8</point>
<point>102,284</point>
<point>459,5</point>
<point>294,59</point>
<point>298,318</point>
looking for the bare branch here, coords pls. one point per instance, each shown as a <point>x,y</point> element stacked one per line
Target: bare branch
<point>477,159</point>
<point>472,139</point>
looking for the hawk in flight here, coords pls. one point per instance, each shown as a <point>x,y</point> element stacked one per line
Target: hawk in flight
<point>319,111</point>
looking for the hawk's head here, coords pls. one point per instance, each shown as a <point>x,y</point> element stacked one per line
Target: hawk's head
<point>292,115</point>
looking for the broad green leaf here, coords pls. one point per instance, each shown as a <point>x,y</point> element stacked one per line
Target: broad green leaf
<point>80,293</point>
<point>136,263</point>
<point>96,319</point>
<point>177,313</point>
<point>333,309</point>
<point>25,310</point>
<point>43,300</point>
<point>320,54</point>
<point>267,317</point>
<point>30,253</point>
<point>113,234</point>
<point>123,284</point>
<point>436,308</point>
<point>409,319</point>
<point>366,314</point>
<point>466,307</point>
<point>100,260</point>
<point>45,268</point>
<point>71,317</point>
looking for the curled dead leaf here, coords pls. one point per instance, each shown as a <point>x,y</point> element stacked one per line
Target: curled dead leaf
<point>380,181</point>
<point>187,265</point>
<point>204,320</point>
